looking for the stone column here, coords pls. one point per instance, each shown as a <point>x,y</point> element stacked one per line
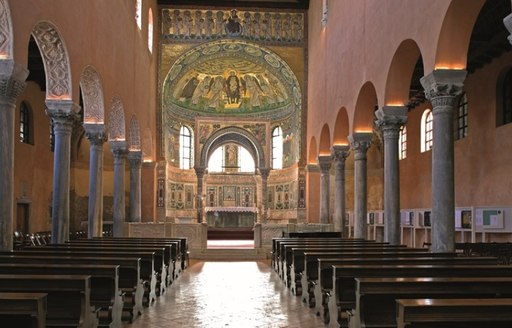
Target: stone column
<point>135,159</point>
<point>442,87</point>
<point>200,201</point>
<point>119,150</point>
<point>360,142</point>
<point>340,154</point>
<point>264,172</point>
<point>95,133</point>
<point>12,82</point>
<point>63,115</point>
<point>324,161</point>
<point>390,119</point>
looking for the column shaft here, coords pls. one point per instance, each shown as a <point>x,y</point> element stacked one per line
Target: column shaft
<point>442,88</point>
<point>95,209</point>
<point>325,165</point>
<point>340,154</point>
<point>12,83</point>
<point>199,200</point>
<point>119,192</point>
<point>262,218</point>
<point>135,158</point>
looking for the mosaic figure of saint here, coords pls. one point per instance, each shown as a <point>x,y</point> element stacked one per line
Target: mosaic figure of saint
<point>216,92</point>
<point>201,90</point>
<point>233,26</point>
<point>233,88</point>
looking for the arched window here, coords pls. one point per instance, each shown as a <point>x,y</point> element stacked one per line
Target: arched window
<point>505,116</point>
<point>150,30</point>
<point>277,148</point>
<point>185,148</point>
<point>26,133</point>
<point>461,118</point>
<point>402,143</point>
<point>218,163</point>
<point>245,160</point>
<point>138,13</point>
<point>426,131</point>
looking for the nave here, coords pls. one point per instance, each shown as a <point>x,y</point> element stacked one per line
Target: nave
<point>227,294</point>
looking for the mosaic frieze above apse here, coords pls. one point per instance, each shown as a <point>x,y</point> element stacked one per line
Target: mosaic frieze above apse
<point>264,27</point>
<point>230,78</point>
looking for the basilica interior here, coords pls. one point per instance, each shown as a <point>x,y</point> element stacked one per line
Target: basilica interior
<point>385,120</point>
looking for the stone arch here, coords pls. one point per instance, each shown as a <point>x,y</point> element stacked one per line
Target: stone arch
<point>233,135</point>
<point>365,107</point>
<point>134,143</point>
<point>313,152</point>
<point>341,128</point>
<point>56,61</point>
<point>92,94</point>
<point>400,73</point>
<point>6,37</point>
<point>455,34</point>
<point>116,124</point>
<point>325,141</point>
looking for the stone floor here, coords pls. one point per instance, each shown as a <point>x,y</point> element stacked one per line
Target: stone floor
<point>227,294</point>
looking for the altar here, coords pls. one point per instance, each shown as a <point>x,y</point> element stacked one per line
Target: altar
<point>231,216</point>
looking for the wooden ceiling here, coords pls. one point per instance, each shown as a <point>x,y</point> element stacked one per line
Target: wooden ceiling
<point>281,4</point>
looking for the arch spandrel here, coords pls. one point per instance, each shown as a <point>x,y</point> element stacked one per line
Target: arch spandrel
<point>6,37</point>
<point>231,78</point>
<point>56,61</point>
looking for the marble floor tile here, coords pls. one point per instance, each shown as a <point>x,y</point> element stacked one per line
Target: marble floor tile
<point>227,294</point>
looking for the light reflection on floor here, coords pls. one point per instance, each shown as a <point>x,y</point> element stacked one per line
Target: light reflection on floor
<point>228,294</point>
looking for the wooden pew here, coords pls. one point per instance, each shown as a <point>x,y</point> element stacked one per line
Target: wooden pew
<point>23,310</point>
<point>289,249</point>
<point>68,297</point>
<point>309,276</point>
<point>454,313</point>
<point>342,297</point>
<point>285,257</point>
<point>298,260</point>
<point>375,297</point>
<point>129,282</point>
<point>160,251</point>
<point>183,249</point>
<point>172,257</point>
<point>105,296</point>
<point>147,263</point>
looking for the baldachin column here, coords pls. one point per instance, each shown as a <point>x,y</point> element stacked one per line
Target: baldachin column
<point>360,142</point>
<point>340,154</point>
<point>390,120</point>
<point>95,133</point>
<point>442,88</point>
<point>12,83</point>
<point>264,172</point>
<point>119,150</point>
<point>324,161</point>
<point>199,200</point>
<point>135,159</point>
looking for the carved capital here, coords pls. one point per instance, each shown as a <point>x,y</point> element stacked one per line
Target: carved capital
<point>199,171</point>
<point>390,119</point>
<point>360,142</point>
<point>12,80</point>
<point>119,149</point>
<point>135,158</point>
<point>264,172</point>
<point>324,161</point>
<point>95,133</point>
<point>339,155</point>
<point>312,168</point>
<point>443,86</point>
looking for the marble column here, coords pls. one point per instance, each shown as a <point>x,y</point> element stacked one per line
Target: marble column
<point>199,200</point>
<point>63,116</point>
<point>442,88</point>
<point>12,83</point>
<point>119,150</point>
<point>135,159</point>
<point>340,154</point>
<point>360,142</point>
<point>390,119</point>
<point>324,161</point>
<point>262,217</point>
<point>95,133</point>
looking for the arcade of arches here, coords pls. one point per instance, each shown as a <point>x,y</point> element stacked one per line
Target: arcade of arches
<point>386,120</point>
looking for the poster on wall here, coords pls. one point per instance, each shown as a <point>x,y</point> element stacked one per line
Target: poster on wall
<point>491,218</point>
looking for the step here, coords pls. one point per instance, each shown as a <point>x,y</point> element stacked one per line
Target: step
<point>224,254</point>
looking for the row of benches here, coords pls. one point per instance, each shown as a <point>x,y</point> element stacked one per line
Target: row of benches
<point>359,283</point>
<point>98,282</point>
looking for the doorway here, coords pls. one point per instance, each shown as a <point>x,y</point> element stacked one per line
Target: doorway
<point>22,218</point>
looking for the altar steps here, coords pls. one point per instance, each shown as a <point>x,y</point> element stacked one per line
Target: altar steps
<point>226,254</point>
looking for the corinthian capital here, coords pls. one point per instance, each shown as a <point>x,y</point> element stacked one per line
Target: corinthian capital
<point>390,119</point>
<point>95,133</point>
<point>324,161</point>
<point>442,86</point>
<point>360,142</point>
<point>12,80</point>
<point>340,152</point>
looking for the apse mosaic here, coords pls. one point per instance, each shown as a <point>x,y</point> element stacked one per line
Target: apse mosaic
<point>230,78</point>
